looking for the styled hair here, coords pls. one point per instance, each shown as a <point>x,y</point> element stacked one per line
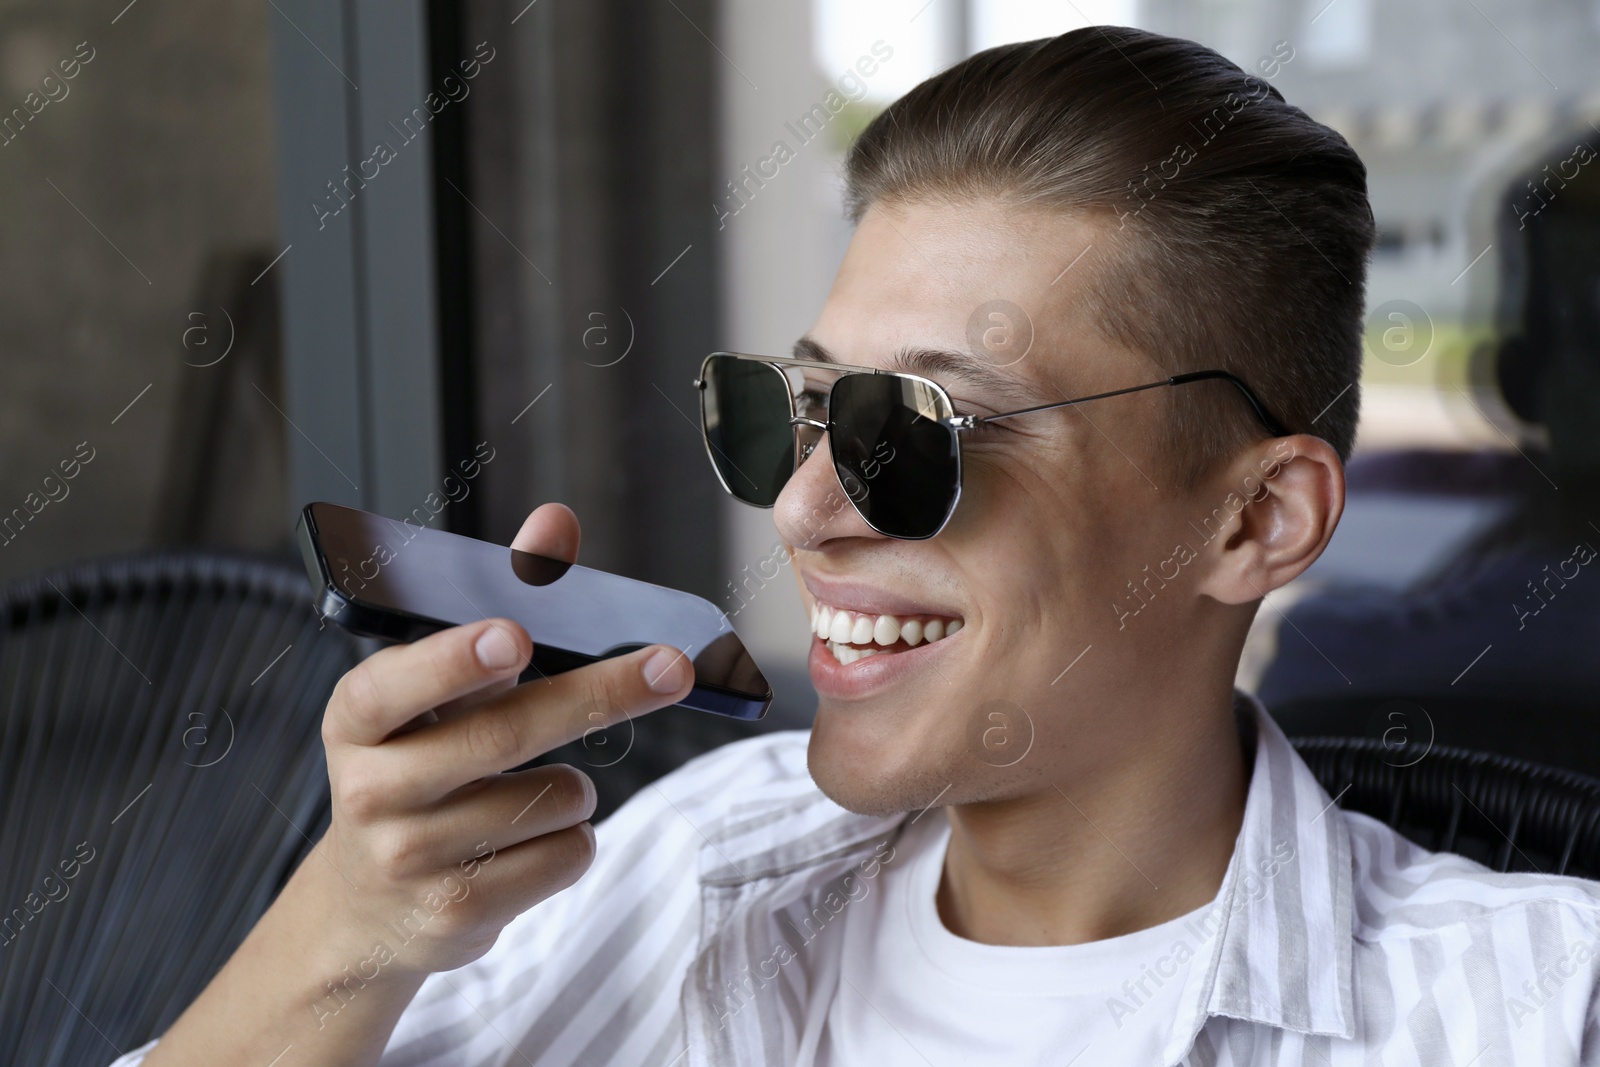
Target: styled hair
<point>1240,226</point>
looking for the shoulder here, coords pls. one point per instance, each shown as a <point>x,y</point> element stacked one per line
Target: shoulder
<point>766,761</point>
<point>649,852</point>
<point>633,913</point>
<point>1403,890</point>
<point>765,770</point>
<point>666,824</point>
<point>1445,941</point>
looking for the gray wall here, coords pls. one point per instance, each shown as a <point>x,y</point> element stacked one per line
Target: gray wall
<point>164,142</point>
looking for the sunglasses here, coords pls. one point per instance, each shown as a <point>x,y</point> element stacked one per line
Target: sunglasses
<point>895,438</point>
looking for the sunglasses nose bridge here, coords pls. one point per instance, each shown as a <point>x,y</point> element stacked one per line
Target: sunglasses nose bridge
<point>807,433</point>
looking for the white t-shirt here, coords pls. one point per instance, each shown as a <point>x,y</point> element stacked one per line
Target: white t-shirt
<point>910,993</point>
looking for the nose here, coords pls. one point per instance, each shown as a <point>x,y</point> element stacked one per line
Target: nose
<point>813,508</point>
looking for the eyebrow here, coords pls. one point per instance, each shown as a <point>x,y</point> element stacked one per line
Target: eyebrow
<point>929,362</point>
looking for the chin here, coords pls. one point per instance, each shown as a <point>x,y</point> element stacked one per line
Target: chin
<point>854,769</point>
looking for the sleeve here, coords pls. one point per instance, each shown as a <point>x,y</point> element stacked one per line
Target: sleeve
<point>645,864</point>
<point>1590,1055</point>
<point>136,1057</point>
<point>616,944</point>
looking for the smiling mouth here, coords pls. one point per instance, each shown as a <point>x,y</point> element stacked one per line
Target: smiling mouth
<point>852,635</point>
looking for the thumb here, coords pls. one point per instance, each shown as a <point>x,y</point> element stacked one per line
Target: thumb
<point>551,530</point>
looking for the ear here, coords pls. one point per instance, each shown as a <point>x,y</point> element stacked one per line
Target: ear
<point>1292,492</point>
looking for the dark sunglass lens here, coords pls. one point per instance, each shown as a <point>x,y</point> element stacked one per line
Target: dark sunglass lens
<point>744,410</point>
<point>895,454</point>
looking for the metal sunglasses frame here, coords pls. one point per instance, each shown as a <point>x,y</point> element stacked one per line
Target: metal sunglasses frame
<point>956,421</point>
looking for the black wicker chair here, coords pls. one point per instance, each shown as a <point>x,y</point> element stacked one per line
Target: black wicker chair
<point>161,774</point>
<point>1508,814</point>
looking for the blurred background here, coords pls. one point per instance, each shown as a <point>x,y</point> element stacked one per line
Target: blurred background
<point>450,259</point>
<point>260,254</point>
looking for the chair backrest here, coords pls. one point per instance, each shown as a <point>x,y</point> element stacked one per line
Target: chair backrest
<point>161,774</point>
<point>1558,730</point>
<point>1509,814</point>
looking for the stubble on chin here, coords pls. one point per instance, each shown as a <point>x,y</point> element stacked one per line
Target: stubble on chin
<point>869,785</point>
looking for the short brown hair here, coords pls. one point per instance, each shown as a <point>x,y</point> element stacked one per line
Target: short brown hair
<point>1244,224</point>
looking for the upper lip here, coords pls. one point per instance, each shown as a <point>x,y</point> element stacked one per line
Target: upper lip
<point>855,595</point>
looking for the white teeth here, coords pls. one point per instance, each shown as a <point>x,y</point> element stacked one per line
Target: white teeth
<point>840,630</point>
<point>850,636</point>
<point>849,653</point>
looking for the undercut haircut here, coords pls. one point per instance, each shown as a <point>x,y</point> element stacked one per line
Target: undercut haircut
<point>1240,226</point>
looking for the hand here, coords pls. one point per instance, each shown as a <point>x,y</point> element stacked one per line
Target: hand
<point>430,834</point>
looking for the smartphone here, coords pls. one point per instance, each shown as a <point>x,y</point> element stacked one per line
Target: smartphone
<point>379,577</point>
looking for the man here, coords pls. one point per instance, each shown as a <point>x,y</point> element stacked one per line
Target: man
<point>1033,822</point>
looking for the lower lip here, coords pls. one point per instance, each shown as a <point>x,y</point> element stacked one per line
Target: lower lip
<point>864,677</point>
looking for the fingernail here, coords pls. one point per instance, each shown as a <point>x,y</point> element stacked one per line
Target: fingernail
<point>663,672</point>
<point>496,651</point>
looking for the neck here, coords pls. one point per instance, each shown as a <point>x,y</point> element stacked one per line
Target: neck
<point>1135,844</point>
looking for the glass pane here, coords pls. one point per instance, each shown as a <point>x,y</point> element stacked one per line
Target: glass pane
<point>746,416</point>
<point>899,454</point>
<point>140,367</point>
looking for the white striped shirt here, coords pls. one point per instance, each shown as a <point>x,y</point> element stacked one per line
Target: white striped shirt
<point>699,934</point>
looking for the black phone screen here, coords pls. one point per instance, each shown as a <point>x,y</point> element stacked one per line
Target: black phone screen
<point>403,580</point>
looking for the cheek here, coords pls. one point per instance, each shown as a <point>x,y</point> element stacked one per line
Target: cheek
<point>1049,540</point>
<point>1028,556</point>
<point>1022,516</point>
<point>1018,487</point>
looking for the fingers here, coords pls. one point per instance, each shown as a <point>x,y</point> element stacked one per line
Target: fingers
<point>460,905</point>
<point>490,814</point>
<point>466,703</point>
<point>447,670</point>
<point>491,889</point>
<point>530,720</point>
<point>396,684</point>
<point>551,530</point>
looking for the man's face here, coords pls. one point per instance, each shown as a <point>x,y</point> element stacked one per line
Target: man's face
<point>1059,510</point>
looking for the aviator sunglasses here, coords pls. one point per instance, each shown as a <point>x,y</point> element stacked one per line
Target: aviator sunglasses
<point>895,437</point>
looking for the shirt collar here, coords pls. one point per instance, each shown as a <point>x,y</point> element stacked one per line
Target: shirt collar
<point>1283,957</point>
<point>1284,910</point>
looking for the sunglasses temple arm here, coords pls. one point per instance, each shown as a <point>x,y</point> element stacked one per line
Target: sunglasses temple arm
<point>975,420</point>
<point>1277,428</point>
<point>1267,420</point>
